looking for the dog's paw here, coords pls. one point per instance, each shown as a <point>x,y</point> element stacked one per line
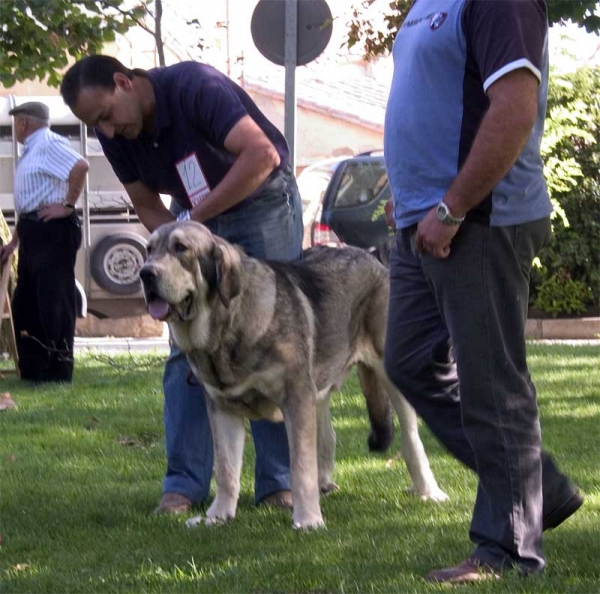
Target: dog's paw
<point>328,488</point>
<point>308,523</point>
<point>221,510</point>
<point>312,526</point>
<point>216,520</point>
<point>436,495</point>
<point>194,522</point>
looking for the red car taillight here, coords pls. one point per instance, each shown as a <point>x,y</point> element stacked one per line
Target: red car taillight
<point>323,235</point>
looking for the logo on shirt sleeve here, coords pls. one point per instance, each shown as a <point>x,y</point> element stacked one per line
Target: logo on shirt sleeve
<point>437,20</point>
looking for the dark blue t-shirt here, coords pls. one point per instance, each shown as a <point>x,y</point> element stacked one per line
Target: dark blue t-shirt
<point>196,107</point>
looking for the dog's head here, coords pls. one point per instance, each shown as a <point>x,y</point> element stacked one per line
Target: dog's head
<point>186,269</point>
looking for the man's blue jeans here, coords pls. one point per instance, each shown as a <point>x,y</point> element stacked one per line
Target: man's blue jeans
<point>460,322</point>
<point>267,227</point>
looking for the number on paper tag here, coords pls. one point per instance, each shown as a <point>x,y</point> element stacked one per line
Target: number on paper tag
<point>192,178</point>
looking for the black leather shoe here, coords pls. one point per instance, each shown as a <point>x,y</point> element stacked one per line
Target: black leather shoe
<point>559,514</point>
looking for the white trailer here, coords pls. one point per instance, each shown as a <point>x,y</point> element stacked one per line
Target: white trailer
<point>114,240</point>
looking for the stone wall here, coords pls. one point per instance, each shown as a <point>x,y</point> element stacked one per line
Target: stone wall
<point>563,329</point>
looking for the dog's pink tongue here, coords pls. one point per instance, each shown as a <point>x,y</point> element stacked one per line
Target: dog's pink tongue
<point>158,309</point>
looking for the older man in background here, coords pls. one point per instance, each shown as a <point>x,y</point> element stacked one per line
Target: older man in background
<point>48,181</point>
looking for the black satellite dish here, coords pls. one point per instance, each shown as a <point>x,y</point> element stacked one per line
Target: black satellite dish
<point>315,24</point>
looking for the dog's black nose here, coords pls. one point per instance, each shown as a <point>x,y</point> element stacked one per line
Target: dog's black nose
<point>148,274</point>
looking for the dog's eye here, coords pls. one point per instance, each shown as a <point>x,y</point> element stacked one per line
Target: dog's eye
<point>180,247</point>
<point>148,249</point>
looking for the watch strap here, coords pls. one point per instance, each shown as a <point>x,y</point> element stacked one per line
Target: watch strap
<point>449,218</point>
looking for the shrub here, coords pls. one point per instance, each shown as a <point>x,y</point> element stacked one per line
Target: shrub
<point>570,266</point>
<point>560,294</point>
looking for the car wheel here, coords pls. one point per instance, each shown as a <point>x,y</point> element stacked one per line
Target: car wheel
<point>116,262</point>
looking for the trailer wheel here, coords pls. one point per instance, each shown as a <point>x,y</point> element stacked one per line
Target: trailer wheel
<point>116,262</point>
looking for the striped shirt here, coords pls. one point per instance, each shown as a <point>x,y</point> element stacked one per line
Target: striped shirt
<point>43,170</point>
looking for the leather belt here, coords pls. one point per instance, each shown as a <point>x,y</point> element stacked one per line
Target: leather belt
<point>33,215</point>
<point>30,216</point>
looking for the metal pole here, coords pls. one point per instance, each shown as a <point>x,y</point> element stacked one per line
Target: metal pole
<point>291,49</point>
<point>85,213</point>
<point>85,205</point>
<point>15,148</point>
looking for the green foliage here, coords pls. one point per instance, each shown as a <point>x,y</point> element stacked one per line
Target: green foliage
<point>586,13</point>
<point>560,294</point>
<point>376,42</point>
<point>572,155</point>
<point>564,124</point>
<point>38,36</point>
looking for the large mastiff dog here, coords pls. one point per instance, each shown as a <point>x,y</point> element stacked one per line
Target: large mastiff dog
<point>272,340</point>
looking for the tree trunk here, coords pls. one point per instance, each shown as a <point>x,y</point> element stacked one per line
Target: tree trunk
<point>158,33</point>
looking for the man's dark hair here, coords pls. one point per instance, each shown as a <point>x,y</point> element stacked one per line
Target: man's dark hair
<point>93,71</point>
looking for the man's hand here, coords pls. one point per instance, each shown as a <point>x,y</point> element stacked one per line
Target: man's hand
<point>433,237</point>
<point>54,211</point>
<point>6,251</point>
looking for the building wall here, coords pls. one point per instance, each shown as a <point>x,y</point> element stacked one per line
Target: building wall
<point>319,135</point>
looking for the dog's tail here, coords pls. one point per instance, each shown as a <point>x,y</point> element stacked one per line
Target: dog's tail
<point>379,408</point>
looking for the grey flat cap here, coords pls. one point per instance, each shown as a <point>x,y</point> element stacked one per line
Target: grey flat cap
<point>32,108</point>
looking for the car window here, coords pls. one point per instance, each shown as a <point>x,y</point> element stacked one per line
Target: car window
<point>362,182</point>
<point>313,181</point>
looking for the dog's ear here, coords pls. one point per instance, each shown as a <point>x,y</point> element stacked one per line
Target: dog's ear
<point>228,269</point>
<point>208,269</point>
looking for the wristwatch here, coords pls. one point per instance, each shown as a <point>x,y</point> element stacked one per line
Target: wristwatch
<point>184,215</point>
<point>445,216</point>
<point>68,205</point>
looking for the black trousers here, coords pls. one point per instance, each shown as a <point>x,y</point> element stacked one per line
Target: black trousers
<point>44,303</point>
<point>455,347</point>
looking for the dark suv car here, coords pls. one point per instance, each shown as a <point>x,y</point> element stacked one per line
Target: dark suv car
<point>351,210</point>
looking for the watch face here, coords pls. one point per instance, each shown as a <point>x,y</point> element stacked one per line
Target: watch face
<point>442,211</point>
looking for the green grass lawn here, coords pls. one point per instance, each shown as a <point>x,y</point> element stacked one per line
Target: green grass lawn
<point>81,469</point>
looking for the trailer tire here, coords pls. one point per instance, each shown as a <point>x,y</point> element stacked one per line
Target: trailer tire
<point>116,262</point>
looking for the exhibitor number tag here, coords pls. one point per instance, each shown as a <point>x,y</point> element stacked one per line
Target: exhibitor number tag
<point>193,179</point>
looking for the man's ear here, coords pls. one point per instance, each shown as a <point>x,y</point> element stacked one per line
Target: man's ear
<point>121,81</point>
<point>228,268</point>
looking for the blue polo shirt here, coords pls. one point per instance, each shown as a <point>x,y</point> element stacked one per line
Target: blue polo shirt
<point>446,55</point>
<point>196,108</point>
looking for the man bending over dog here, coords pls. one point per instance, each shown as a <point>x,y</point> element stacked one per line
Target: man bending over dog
<point>188,131</point>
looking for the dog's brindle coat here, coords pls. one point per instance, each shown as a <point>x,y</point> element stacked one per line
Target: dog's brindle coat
<point>272,340</point>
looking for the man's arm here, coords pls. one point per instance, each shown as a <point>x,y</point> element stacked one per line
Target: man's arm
<point>76,181</point>
<point>503,133</point>
<point>256,159</point>
<point>148,205</point>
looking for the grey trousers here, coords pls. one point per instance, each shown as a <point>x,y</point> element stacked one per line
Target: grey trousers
<point>456,349</point>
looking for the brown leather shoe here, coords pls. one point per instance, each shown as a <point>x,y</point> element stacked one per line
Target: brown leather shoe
<point>279,499</point>
<point>471,570</point>
<point>173,503</point>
